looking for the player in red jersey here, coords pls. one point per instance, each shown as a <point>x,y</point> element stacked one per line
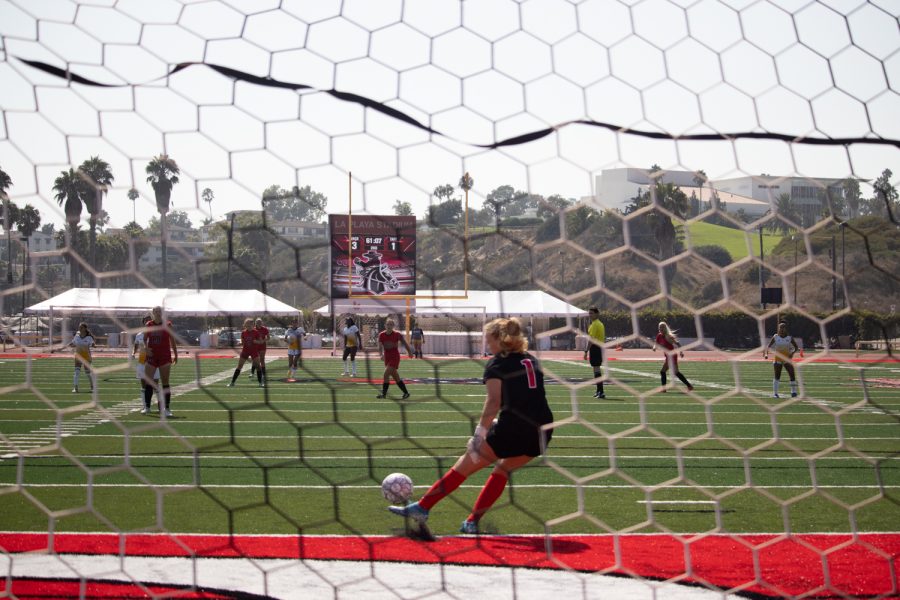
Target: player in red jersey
<point>389,348</point>
<point>162,353</point>
<point>262,338</point>
<point>249,350</point>
<point>665,337</point>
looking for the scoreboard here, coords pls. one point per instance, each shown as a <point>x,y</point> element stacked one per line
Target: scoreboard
<point>374,255</point>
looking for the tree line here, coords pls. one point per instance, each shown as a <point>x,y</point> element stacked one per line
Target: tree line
<point>244,247</point>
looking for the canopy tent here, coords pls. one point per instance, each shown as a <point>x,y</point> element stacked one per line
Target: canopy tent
<point>175,302</point>
<point>483,304</point>
<point>116,302</point>
<point>488,303</point>
<point>528,303</point>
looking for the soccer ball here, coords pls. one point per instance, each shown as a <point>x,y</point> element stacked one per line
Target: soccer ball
<point>397,488</point>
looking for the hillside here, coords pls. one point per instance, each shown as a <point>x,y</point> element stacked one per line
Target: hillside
<point>512,259</point>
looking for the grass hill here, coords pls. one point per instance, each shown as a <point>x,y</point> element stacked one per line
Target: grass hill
<point>733,240</point>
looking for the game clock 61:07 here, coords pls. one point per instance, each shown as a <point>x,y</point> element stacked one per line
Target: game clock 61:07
<point>376,256</point>
<point>391,243</point>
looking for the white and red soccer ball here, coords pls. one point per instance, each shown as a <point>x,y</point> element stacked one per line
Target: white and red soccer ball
<point>397,488</point>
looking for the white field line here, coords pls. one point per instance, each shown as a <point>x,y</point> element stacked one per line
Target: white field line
<point>431,458</point>
<point>466,437</point>
<point>675,502</point>
<point>373,486</point>
<point>464,424</point>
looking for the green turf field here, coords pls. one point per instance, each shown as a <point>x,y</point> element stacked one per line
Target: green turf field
<point>309,456</point>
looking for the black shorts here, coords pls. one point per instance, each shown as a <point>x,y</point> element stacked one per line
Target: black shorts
<point>351,352</point>
<point>595,355</point>
<point>517,440</point>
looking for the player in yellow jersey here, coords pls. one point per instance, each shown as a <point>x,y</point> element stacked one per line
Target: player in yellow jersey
<point>294,338</point>
<point>83,342</point>
<point>352,342</point>
<point>594,350</point>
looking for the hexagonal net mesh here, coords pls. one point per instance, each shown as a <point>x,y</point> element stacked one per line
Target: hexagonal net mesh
<point>721,167</point>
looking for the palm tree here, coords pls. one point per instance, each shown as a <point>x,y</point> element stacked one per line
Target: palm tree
<point>69,187</point>
<point>133,195</point>
<point>785,208</point>
<point>28,222</point>
<point>5,184</point>
<point>162,174</point>
<point>673,199</point>
<point>97,177</point>
<point>208,196</point>
<point>700,179</point>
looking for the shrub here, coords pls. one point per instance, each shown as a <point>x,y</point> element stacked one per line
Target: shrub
<point>715,254</point>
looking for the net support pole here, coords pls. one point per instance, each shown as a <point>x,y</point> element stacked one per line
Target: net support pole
<point>483,324</point>
<point>466,239</point>
<point>349,233</point>
<point>407,318</point>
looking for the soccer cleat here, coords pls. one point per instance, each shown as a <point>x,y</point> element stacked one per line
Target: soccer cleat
<point>381,396</point>
<point>600,395</point>
<point>231,384</point>
<point>470,527</point>
<point>412,510</point>
<point>145,410</point>
<point>690,388</point>
<point>404,396</point>
<point>793,394</point>
<point>74,390</point>
<point>261,384</point>
<point>776,396</point>
<point>168,413</point>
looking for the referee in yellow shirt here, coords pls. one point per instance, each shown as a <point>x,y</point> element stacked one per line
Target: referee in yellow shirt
<point>594,351</point>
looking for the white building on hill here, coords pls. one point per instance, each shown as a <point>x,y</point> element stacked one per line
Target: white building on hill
<point>754,194</point>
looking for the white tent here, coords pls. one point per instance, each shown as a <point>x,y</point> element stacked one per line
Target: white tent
<point>175,302</point>
<point>493,303</point>
<point>115,302</point>
<point>483,304</point>
<point>477,303</point>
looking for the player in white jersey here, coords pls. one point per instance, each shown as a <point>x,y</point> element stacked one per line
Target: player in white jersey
<point>82,342</point>
<point>352,342</point>
<point>294,338</point>
<point>784,346</point>
<point>148,384</point>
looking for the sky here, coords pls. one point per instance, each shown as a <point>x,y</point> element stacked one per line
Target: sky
<point>477,72</point>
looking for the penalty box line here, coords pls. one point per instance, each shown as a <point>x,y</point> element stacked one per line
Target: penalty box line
<point>13,445</point>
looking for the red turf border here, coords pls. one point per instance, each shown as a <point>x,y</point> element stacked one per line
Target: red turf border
<point>814,565</point>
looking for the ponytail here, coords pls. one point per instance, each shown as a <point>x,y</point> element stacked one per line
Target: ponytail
<point>509,333</point>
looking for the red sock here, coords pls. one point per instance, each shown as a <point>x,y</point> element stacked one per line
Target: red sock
<point>442,487</point>
<point>493,488</point>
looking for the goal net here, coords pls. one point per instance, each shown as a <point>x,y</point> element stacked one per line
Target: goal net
<point>720,166</point>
